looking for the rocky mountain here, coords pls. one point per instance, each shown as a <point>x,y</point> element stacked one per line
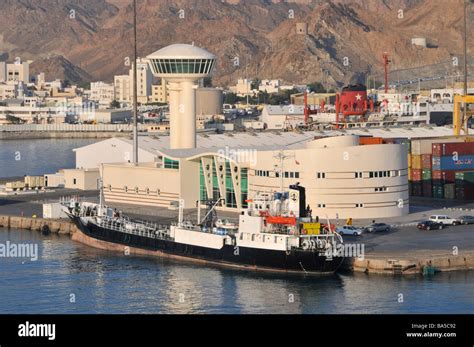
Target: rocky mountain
<point>345,39</point>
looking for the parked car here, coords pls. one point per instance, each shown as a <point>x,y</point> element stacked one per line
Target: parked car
<point>377,227</point>
<point>429,225</point>
<point>466,219</point>
<point>445,220</point>
<point>349,230</point>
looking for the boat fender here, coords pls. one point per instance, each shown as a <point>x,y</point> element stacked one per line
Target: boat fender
<point>305,244</point>
<point>320,243</point>
<point>45,230</point>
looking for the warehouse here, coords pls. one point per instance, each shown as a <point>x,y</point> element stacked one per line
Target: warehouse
<point>352,184</point>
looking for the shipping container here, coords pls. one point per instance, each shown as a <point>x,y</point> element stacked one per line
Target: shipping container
<point>449,191</point>
<point>438,191</point>
<point>54,211</point>
<point>427,189</point>
<point>416,161</point>
<point>450,149</point>
<point>463,162</point>
<point>409,160</point>
<point>426,175</point>
<point>426,161</point>
<point>369,140</point>
<point>424,146</point>
<point>465,193</point>
<point>464,177</point>
<point>416,189</point>
<point>415,175</point>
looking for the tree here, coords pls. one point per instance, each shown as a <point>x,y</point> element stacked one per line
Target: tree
<point>13,119</point>
<point>207,82</point>
<point>231,98</point>
<point>255,83</point>
<point>316,87</point>
<point>114,104</point>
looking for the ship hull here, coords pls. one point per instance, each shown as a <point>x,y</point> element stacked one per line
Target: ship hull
<point>298,261</point>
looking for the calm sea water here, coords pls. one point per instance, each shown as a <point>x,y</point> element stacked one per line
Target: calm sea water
<point>104,282</point>
<point>38,156</point>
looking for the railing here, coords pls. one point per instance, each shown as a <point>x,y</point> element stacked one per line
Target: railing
<point>150,230</point>
<point>64,127</point>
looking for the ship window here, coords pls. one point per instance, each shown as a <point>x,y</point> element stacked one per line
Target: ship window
<point>158,192</point>
<point>147,191</point>
<point>297,175</point>
<point>125,189</point>
<point>110,187</point>
<point>136,190</point>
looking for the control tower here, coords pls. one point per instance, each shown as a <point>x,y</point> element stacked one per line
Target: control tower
<point>181,66</point>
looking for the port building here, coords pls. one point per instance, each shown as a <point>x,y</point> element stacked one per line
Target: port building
<point>343,177</point>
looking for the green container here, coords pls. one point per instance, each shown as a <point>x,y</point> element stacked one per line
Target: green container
<point>449,191</point>
<point>426,175</point>
<point>466,176</point>
<point>438,191</point>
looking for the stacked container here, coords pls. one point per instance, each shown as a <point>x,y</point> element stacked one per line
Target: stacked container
<point>464,186</point>
<point>433,164</point>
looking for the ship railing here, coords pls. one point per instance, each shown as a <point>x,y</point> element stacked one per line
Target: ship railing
<point>124,226</point>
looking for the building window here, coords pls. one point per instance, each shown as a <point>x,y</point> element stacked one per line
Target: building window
<point>171,164</point>
<point>321,205</point>
<point>359,205</point>
<point>74,181</point>
<point>321,175</point>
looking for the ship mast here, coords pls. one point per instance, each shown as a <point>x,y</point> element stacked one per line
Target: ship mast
<point>135,98</point>
<point>281,156</point>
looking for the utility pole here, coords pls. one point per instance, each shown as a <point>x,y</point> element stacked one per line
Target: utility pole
<point>135,89</point>
<point>465,50</point>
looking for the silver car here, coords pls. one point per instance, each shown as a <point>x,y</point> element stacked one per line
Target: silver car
<point>349,230</point>
<point>377,227</point>
<point>466,220</point>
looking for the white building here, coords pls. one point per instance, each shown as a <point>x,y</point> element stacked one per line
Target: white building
<point>18,71</point>
<point>282,117</point>
<point>234,167</point>
<point>243,87</point>
<point>3,71</point>
<point>8,90</point>
<point>123,88</point>
<point>103,93</point>
<point>144,81</point>
<point>269,86</point>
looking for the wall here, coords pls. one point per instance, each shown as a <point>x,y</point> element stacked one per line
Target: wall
<point>81,179</point>
<point>156,186</point>
<point>340,191</point>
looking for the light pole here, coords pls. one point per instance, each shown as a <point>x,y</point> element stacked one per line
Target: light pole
<point>135,98</point>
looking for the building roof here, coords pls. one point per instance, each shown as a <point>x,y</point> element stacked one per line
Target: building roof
<point>274,140</point>
<point>181,51</point>
<point>275,110</point>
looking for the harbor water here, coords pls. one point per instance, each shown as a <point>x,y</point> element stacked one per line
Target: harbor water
<point>38,156</point>
<point>69,277</point>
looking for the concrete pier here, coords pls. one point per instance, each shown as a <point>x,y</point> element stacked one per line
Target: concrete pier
<point>417,263</point>
<point>58,226</point>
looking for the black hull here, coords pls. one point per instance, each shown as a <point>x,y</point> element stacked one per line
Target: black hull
<point>297,261</point>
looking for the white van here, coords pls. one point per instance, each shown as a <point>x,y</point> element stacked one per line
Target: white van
<point>445,220</point>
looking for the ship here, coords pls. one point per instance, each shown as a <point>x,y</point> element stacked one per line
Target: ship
<point>275,233</point>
